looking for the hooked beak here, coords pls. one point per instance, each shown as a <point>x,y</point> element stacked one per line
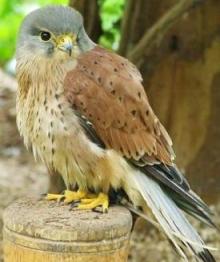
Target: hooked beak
<point>65,43</point>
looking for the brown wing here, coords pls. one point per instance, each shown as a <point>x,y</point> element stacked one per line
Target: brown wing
<point>106,89</point>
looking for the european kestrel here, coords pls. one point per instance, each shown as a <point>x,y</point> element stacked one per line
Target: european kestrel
<point>84,112</point>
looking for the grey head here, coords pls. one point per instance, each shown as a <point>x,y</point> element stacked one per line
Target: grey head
<point>51,29</point>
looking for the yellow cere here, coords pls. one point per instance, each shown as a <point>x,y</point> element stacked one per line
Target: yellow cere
<point>61,39</point>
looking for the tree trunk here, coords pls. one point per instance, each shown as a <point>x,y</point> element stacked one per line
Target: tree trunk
<point>90,12</point>
<point>182,77</point>
<point>182,81</point>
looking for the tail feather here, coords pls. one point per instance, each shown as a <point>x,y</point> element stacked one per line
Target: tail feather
<point>195,212</point>
<point>206,256</point>
<point>170,217</point>
<point>163,176</point>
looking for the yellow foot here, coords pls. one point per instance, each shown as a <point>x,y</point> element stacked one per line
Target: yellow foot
<point>101,200</point>
<point>68,196</point>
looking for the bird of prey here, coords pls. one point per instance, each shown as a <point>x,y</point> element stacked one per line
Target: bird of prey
<point>83,111</point>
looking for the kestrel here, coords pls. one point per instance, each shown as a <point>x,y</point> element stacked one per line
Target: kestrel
<point>83,111</point>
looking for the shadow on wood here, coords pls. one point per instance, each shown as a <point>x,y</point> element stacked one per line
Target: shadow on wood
<point>38,230</point>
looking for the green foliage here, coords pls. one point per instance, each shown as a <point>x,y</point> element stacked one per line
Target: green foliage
<point>11,14</point>
<point>111,12</point>
<point>13,11</point>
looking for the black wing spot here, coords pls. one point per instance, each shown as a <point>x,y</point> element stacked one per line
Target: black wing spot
<point>139,94</point>
<point>134,112</point>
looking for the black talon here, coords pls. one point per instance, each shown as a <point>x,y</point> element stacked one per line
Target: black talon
<point>96,210</point>
<point>61,199</point>
<point>74,204</point>
<point>105,210</point>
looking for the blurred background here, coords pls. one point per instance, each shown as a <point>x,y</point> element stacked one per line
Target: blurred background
<point>176,46</point>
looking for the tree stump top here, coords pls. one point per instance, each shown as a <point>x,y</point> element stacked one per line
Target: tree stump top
<point>40,224</point>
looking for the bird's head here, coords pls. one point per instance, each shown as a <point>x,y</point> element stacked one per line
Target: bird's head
<point>53,32</point>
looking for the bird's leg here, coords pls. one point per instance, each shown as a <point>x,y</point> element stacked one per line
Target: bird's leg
<point>70,196</point>
<point>86,200</point>
<point>102,200</point>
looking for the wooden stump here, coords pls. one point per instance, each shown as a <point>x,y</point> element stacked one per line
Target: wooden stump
<point>39,230</point>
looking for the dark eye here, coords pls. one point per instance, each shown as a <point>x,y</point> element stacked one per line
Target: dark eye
<point>45,36</point>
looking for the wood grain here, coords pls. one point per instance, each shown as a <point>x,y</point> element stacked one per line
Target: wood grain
<point>38,230</point>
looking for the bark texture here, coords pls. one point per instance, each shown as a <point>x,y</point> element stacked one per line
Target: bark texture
<point>55,236</point>
<point>183,86</point>
<point>181,70</point>
<point>90,12</point>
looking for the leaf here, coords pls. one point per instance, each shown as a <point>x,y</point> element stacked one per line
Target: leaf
<point>111,12</point>
<point>12,12</point>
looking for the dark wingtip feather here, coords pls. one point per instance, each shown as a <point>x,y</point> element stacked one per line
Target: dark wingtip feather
<point>171,182</point>
<point>206,256</point>
<point>177,187</point>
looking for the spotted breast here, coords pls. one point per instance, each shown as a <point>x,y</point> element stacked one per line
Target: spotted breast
<point>49,126</point>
